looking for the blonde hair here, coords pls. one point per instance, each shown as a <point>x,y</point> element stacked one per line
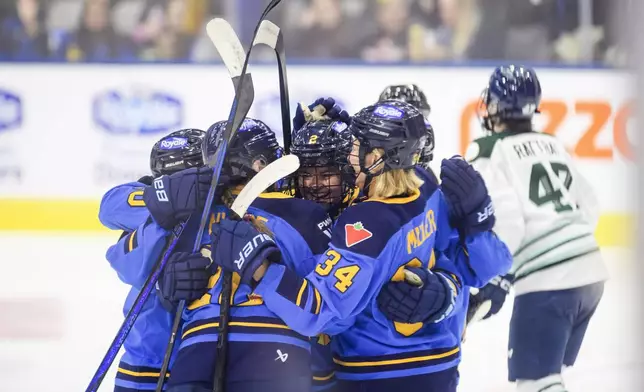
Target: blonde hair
<point>397,182</point>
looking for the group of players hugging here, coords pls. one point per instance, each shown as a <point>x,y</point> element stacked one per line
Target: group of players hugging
<point>364,273</point>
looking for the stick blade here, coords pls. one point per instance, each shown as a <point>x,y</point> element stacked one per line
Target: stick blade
<point>232,53</point>
<point>269,175</point>
<point>267,34</point>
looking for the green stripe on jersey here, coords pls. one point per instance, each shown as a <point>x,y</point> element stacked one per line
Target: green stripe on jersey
<point>560,243</point>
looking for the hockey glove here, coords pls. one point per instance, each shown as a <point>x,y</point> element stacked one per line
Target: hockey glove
<point>332,110</point>
<point>171,199</point>
<point>470,205</point>
<point>491,296</point>
<point>407,302</point>
<point>239,247</point>
<point>185,277</point>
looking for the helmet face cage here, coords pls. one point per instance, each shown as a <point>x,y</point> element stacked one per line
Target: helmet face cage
<point>427,152</point>
<point>325,175</point>
<point>177,151</point>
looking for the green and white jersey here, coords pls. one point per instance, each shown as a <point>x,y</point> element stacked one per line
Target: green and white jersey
<point>546,211</point>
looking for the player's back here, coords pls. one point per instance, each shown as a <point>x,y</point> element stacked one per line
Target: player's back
<point>546,211</point>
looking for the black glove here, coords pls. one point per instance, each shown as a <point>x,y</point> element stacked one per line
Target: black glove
<point>491,296</point>
<point>410,303</point>
<point>185,277</point>
<point>147,180</point>
<point>171,199</point>
<point>470,205</point>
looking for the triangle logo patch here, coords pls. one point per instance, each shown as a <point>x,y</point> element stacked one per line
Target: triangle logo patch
<point>355,234</point>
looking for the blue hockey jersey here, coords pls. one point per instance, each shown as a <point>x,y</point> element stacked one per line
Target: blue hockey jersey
<point>259,340</point>
<point>133,258</point>
<point>371,242</point>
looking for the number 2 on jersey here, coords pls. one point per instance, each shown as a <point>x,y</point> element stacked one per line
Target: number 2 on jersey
<point>344,275</point>
<point>542,189</point>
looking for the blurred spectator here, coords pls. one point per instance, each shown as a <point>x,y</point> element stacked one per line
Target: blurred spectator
<point>322,32</point>
<point>458,21</point>
<point>173,42</point>
<point>528,37</point>
<point>95,39</point>
<point>389,43</point>
<point>571,31</point>
<point>23,34</point>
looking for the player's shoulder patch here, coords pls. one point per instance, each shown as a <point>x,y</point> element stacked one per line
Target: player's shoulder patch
<point>483,146</point>
<point>365,228</point>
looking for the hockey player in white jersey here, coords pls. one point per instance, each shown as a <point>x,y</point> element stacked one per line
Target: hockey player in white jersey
<point>546,214</point>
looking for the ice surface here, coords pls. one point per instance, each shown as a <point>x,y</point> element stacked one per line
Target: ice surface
<point>56,346</point>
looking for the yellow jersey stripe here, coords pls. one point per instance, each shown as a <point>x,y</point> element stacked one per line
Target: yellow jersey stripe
<point>141,374</point>
<point>397,361</point>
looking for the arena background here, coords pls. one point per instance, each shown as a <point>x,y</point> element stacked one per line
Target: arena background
<point>87,86</point>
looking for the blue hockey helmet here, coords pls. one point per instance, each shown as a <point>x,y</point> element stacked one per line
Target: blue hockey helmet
<point>253,147</point>
<point>396,127</point>
<point>177,151</point>
<point>413,95</point>
<point>513,93</point>
<point>325,175</point>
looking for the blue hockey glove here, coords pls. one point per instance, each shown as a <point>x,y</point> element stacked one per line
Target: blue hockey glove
<point>185,277</point>
<point>333,110</point>
<point>409,303</point>
<point>495,292</point>
<point>470,205</point>
<point>239,247</point>
<point>171,199</point>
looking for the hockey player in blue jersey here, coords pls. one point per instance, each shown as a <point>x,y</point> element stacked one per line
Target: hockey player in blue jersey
<point>265,355</point>
<point>483,268</point>
<point>413,95</point>
<point>371,243</point>
<point>326,178</point>
<point>145,231</point>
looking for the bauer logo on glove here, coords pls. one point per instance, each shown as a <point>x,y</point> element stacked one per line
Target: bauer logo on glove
<point>250,247</point>
<point>486,213</point>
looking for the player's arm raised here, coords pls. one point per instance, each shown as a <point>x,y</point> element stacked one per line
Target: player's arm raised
<point>510,224</point>
<point>473,246</point>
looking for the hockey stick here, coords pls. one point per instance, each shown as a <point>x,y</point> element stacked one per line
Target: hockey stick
<point>476,314</point>
<point>271,35</point>
<point>244,96</point>
<point>233,55</point>
<point>235,120</point>
<point>266,177</point>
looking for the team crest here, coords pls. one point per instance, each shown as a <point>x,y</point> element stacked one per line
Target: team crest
<point>355,234</point>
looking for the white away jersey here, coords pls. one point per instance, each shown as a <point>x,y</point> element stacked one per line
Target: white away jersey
<point>546,211</point>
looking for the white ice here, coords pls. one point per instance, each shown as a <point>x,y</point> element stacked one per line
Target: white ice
<point>85,300</point>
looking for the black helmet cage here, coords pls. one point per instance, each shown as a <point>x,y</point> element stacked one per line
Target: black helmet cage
<point>409,93</point>
<point>324,144</point>
<point>427,152</point>
<point>177,151</point>
<point>401,138</point>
